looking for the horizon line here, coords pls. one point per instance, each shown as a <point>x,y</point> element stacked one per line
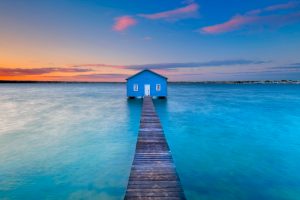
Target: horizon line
<point>233,81</point>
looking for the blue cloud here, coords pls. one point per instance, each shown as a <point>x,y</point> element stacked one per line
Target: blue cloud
<point>295,66</point>
<point>215,63</point>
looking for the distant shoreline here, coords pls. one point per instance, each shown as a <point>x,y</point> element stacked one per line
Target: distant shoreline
<point>179,82</point>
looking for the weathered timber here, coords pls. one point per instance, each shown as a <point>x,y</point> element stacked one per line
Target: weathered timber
<point>153,174</point>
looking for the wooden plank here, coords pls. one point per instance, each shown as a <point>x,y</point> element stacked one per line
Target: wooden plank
<point>153,174</point>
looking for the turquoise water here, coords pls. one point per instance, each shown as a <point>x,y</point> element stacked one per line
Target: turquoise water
<point>77,141</point>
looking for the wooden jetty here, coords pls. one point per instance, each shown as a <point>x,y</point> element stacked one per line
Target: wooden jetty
<point>153,174</point>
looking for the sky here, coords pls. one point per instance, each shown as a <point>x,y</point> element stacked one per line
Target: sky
<point>185,40</point>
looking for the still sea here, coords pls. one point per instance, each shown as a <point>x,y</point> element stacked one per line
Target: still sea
<point>77,141</point>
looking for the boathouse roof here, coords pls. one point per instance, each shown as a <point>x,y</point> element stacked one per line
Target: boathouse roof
<point>145,71</point>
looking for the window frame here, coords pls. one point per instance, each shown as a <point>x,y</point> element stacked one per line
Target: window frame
<point>135,87</point>
<point>158,87</point>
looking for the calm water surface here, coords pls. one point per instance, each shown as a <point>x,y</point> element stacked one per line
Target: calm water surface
<point>77,141</point>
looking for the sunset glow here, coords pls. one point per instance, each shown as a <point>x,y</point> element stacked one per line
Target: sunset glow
<point>186,41</point>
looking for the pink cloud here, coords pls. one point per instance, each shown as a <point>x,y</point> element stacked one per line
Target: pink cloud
<point>99,65</point>
<point>183,12</point>
<point>253,17</point>
<point>231,25</point>
<point>276,7</point>
<point>39,71</point>
<point>254,12</point>
<point>282,6</point>
<point>124,22</point>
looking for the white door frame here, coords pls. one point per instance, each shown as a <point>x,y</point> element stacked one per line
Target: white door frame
<point>147,91</point>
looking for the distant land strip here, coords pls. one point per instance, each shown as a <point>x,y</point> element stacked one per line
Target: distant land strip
<point>171,82</point>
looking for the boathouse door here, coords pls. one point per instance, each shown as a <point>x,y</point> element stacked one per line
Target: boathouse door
<point>147,90</point>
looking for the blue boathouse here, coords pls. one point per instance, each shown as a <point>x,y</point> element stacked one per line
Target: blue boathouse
<point>147,83</point>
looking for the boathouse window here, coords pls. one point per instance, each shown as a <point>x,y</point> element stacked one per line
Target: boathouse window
<point>135,87</point>
<point>157,87</point>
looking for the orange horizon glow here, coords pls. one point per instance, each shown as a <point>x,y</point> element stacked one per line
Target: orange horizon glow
<point>68,74</point>
<point>58,79</point>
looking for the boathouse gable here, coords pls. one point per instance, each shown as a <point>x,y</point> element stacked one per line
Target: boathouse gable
<point>147,83</point>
